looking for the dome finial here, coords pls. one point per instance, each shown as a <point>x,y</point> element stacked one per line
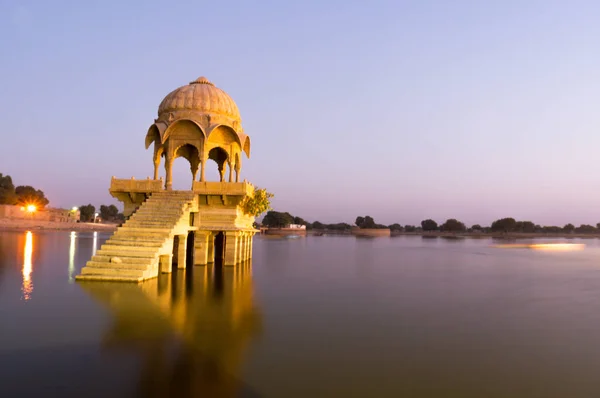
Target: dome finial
<point>201,80</point>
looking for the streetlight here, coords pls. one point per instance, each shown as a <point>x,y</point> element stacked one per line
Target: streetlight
<point>30,209</point>
<point>95,216</point>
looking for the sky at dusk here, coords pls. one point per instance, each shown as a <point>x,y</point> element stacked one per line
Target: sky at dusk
<point>402,110</point>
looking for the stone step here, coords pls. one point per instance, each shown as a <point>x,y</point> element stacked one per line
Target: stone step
<point>109,265</point>
<point>124,253</point>
<point>154,221</point>
<point>133,240</point>
<point>162,209</point>
<point>129,260</point>
<point>135,237</point>
<point>130,248</point>
<point>109,278</point>
<point>112,271</point>
<point>134,243</point>
<point>151,224</point>
<point>159,210</point>
<point>157,217</point>
<point>135,229</point>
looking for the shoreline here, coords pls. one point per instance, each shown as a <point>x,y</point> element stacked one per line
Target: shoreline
<point>34,225</point>
<point>473,235</point>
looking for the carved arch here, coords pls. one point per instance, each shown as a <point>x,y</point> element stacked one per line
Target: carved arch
<point>246,146</point>
<point>223,131</point>
<point>182,123</point>
<point>153,135</point>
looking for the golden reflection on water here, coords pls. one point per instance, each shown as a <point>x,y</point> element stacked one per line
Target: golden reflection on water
<point>544,246</point>
<point>27,266</point>
<point>72,256</point>
<point>190,329</point>
<point>95,243</point>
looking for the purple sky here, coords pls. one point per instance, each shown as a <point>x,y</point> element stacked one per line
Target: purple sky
<point>402,110</point>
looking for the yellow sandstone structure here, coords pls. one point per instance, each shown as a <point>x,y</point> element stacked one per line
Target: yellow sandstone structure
<point>207,224</point>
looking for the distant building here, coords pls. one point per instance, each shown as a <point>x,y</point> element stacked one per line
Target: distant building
<point>49,214</point>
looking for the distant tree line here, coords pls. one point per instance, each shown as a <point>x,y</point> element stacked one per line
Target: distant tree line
<point>21,195</point>
<point>276,219</point>
<point>107,213</point>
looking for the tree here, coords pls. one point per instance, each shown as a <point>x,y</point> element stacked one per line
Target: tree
<point>86,212</point>
<point>109,212</point>
<point>585,229</point>
<point>318,225</point>
<point>275,219</point>
<point>476,227</point>
<point>524,226</point>
<point>429,225</point>
<point>365,222</point>
<point>29,195</point>
<point>569,228</point>
<point>410,228</point>
<point>395,227</point>
<point>300,221</point>
<point>453,225</point>
<point>258,203</point>
<point>339,226</point>
<point>7,191</point>
<point>504,225</point>
<point>552,229</point>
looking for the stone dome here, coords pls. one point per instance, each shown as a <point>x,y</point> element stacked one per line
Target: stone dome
<point>200,96</point>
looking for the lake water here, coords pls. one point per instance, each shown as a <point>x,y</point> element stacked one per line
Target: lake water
<point>310,317</point>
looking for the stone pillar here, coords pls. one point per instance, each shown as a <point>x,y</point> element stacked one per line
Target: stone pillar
<point>231,248</point>
<point>241,247</point>
<point>166,263</point>
<point>222,172</point>
<point>250,242</point>
<point>210,250</point>
<point>156,166</point>
<point>202,170</point>
<point>230,171</point>
<point>169,170</point>
<point>181,251</point>
<point>194,170</point>
<point>201,248</point>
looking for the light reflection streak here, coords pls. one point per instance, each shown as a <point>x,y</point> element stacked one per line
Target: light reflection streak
<point>27,266</point>
<point>95,243</point>
<point>544,246</point>
<point>72,256</point>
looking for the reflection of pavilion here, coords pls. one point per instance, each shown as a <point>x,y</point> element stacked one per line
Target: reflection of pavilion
<point>190,329</point>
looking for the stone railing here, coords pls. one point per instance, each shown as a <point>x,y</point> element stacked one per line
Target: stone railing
<point>223,188</point>
<point>133,185</point>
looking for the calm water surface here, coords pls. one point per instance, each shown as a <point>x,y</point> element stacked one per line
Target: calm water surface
<point>310,317</point>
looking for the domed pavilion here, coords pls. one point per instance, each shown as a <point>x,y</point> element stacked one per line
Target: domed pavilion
<point>206,224</point>
<point>198,122</point>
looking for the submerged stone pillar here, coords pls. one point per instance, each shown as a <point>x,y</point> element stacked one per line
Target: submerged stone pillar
<point>201,248</point>
<point>166,263</point>
<point>240,248</point>
<point>181,251</point>
<point>250,242</point>
<point>210,249</point>
<point>231,248</point>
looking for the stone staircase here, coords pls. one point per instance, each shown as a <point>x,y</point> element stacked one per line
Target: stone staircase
<point>132,253</point>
